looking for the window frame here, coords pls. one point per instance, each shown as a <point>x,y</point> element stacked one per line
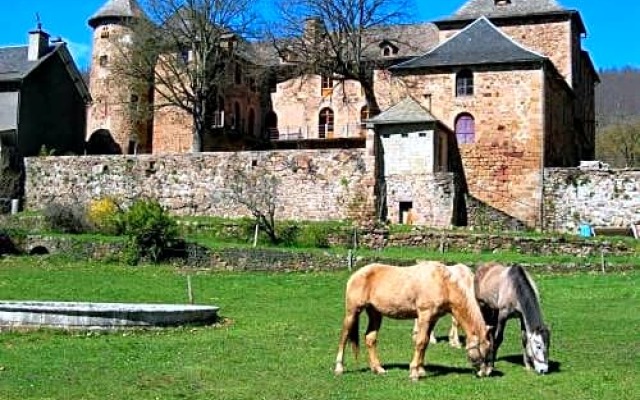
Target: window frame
<point>467,135</point>
<point>464,83</point>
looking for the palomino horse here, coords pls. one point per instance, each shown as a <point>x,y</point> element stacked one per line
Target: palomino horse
<point>425,291</point>
<point>507,292</point>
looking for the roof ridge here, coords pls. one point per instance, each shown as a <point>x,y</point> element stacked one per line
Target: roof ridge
<point>454,39</point>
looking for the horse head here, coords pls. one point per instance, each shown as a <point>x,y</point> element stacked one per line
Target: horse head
<point>480,352</point>
<point>537,348</point>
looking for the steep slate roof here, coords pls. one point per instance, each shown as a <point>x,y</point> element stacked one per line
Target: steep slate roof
<point>14,64</point>
<point>406,111</point>
<point>480,43</point>
<point>117,9</point>
<point>476,8</point>
<point>410,39</point>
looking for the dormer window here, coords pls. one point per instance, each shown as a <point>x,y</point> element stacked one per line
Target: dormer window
<point>388,49</point>
<point>501,2</point>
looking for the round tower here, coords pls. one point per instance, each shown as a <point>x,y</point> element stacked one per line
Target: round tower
<point>118,121</point>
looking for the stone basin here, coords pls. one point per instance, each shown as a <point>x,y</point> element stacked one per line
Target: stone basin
<point>83,315</point>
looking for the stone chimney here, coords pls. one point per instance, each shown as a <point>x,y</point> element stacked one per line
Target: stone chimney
<point>38,43</point>
<point>313,29</point>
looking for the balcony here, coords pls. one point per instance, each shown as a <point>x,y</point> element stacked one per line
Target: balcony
<point>320,132</point>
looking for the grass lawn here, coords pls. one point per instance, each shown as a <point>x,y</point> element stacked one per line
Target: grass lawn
<point>280,339</point>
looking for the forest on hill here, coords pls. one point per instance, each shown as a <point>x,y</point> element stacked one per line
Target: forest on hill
<point>618,117</point>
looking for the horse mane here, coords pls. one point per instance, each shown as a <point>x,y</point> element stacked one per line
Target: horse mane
<point>528,297</point>
<point>468,291</point>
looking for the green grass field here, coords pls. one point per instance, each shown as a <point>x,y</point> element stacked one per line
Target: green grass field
<point>280,337</point>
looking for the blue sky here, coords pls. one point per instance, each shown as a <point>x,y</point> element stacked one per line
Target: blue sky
<point>612,28</point>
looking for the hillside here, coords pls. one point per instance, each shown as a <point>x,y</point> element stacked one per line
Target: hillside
<point>617,96</point>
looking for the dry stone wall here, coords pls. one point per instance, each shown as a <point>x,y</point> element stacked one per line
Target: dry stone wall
<point>573,196</point>
<point>313,184</point>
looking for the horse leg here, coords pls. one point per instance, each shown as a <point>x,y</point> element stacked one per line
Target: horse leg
<point>525,339</point>
<point>371,338</point>
<point>425,328</point>
<point>499,335</point>
<point>350,318</point>
<point>454,337</point>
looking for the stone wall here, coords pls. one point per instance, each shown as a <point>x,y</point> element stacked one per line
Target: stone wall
<point>313,184</point>
<point>573,196</point>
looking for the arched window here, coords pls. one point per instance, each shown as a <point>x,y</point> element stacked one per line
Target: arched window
<point>464,83</point>
<point>235,120</point>
<point>465,129</point>
<point>251,122</point>
<point>325,123</point>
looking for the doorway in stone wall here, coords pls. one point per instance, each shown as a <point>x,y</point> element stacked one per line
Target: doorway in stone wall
<point>405,208</point>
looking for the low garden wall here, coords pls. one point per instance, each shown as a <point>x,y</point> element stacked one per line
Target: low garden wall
<point>325,184</point>
<point>599,197</point>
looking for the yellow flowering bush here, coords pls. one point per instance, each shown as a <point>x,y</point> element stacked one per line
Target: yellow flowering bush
<point>105,215</point>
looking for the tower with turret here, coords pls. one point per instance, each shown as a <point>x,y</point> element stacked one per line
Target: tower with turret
<point>118,121</point>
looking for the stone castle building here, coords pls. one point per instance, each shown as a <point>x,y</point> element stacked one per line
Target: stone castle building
<point>494,94</point>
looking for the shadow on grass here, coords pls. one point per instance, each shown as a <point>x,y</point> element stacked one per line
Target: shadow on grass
<point>554,366</point>
<point>432,370</point>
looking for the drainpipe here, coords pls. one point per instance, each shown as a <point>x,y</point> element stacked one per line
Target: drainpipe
<point>542,143</point>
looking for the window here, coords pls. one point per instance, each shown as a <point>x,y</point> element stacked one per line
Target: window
<point>134,103</point>
<point>252,122</point>
<point>325,124</point>
<point>104,33</point>
<point>465,129</point>
<point>501,2</point>
<point>235,119</point>
<point>364,115</point>
<point>103,61</point>
<point>237,76</point>
<point>464,83</point>
<point>326,85</point>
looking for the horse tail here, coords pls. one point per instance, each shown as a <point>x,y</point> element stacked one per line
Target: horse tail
<point>354,336</point>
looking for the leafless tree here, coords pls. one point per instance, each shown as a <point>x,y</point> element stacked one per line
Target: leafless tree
<point>256,188</point>
<point>619,144</point>
<point>186,49</point>
<point>329,37</point>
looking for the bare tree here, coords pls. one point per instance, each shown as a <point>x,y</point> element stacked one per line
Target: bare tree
<point>256,188</point>
<point>186,49</point>
<point>619,144</point>
<point>334,37</point>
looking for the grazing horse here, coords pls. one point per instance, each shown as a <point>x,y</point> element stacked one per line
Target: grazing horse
<point>508,292</point>
<point>425,291</point>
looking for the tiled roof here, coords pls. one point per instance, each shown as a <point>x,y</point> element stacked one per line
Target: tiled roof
<point>14,64</point>
<point>406,111</point>
<point>117,9</point>
<point>474,9</point>
<point>480,43</point>
<point>410,40</point>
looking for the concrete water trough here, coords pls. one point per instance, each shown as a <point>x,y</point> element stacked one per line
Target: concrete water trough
<point>79,315</point>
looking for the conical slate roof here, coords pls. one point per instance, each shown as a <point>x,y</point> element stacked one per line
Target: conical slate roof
<point>480,43</point>
<point>474,9</point>
<point>117,9</point>
<point>406,111</point>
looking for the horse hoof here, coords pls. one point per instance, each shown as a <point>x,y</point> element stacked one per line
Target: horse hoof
<point>379,370</point>
<point>338,371</point>
<point>422,372</point>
